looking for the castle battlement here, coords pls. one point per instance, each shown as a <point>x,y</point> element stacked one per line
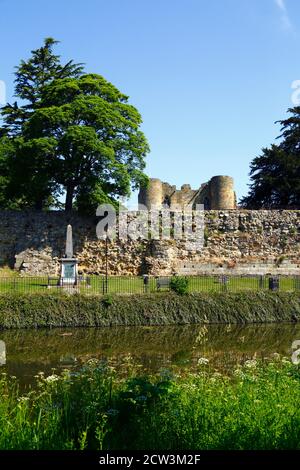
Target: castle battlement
<point>217,194</point>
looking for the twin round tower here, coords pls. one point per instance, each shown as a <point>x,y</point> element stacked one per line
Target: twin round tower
<point>216,194</point>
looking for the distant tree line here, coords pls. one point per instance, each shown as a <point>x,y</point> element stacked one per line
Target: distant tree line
<point>70,135</point>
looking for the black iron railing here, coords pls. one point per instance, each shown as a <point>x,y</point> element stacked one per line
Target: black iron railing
<point>147,284</point>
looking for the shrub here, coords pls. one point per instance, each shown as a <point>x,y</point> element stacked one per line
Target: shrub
<point>280,260</point>
<point>107,300</point>
<point>180,285</point>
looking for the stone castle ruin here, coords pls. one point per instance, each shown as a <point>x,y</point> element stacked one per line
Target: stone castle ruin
<point>216,194</point>
<point>237,241</point>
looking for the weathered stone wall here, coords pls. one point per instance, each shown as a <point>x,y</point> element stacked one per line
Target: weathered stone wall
<point>236,242</point>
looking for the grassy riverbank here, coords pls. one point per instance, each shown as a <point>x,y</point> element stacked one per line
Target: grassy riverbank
<point>51,310</point>
<point>257,406</point>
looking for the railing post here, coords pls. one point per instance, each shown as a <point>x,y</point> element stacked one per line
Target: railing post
<point>274,283</point>
<point>146,282</point>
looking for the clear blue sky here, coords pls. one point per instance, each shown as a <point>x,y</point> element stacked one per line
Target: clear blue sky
<point>209,77</point>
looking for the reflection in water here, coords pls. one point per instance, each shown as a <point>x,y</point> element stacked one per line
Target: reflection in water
<point>181,347</point>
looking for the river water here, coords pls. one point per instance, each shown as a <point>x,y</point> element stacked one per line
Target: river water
<point>28,352</point>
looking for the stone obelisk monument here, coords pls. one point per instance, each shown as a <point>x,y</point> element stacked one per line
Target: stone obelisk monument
<point>69,264</point>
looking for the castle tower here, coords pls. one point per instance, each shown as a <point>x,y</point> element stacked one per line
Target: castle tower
<point>217,194</point>
<point>152,195</point>
<point>222,195</point>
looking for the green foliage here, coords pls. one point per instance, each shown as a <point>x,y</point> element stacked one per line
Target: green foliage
<point>52,309</point>
<point>90,197</point>
<point>107,300</point>
<point>256,406</point>
<point>206,236</point>
<point>31,77</point>
<point>28,163</point>
<point>280,260</point>
<point>179,284</point>
<point>275,174</point>
<point>77,134</point>
<point>99,148</point>
<point>6,154</point>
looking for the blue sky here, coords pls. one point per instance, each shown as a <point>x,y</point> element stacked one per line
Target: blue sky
<point>209,77</point>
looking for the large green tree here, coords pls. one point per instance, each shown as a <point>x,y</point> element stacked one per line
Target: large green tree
<point>275,174</point>
<point>93,136</point>
<point>80,137</point>
<point>31,77</point>
<point>27,178</point>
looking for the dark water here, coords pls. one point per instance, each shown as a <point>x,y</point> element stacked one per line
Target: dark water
<point>179,347</point>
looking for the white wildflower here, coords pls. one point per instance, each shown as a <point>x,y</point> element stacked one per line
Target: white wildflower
<point>239,373</point>
<point>203,361</point>
<point>251,364</point>
<point>217,375</point>
<point>51,378</point>
<point>23,399</point>
<point>275,355</point>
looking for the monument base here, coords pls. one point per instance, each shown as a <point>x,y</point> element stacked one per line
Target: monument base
<point>69,272</point>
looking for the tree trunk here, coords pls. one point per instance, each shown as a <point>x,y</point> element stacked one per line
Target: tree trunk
<point>69,198</point>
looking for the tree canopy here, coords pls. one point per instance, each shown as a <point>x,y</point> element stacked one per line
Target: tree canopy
<point>275,174</point>
<point>76,135</point>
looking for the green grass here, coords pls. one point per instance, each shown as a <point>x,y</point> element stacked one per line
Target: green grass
<point>8,272</point>
<point>50,309</point>
<point>256,406</point>
<point>135,285</point>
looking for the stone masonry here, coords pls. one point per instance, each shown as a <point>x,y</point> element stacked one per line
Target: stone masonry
<point>217,194</point>
<point>236,241</point>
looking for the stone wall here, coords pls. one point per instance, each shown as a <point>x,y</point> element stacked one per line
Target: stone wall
<point>240,242</point>
<point>237,242</point>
